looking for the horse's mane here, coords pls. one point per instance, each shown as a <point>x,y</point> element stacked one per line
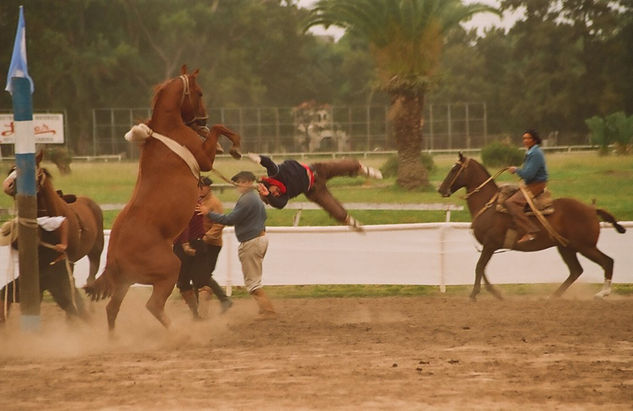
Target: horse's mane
<point>481,166</point>
<point>157,90</point>
<point>46,173</point>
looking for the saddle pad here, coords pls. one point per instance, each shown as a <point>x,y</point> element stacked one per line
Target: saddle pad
<point>543,202</point>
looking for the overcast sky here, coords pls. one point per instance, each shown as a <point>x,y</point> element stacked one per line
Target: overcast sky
<point>480,21</point>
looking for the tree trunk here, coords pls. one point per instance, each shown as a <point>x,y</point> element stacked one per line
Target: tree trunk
<point>406,116</point>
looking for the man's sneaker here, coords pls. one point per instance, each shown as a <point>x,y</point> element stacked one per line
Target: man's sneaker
<point>255,158</point>
<point>371,172</point>
<point>226,304</point>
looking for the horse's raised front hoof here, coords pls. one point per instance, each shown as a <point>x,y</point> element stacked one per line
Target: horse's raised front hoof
<point>235,153</point>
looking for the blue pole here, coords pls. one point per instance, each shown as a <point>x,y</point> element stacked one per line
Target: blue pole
<point>20,85</point>
<point>27,204</point>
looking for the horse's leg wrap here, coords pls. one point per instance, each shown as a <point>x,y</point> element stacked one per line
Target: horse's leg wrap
<point>354,223</point>
<point>606,289</point>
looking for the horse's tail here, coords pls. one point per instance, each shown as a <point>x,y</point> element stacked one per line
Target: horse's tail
<point>606,216</point>
<point>100,288</point>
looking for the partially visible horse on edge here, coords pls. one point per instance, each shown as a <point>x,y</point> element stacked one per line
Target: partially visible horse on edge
<point>575,221</point>
<point>163,200</point>
<point>83,232</point>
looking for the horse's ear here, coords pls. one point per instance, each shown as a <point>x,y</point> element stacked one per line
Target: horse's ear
<point>461,156</point>
<point>38,157</point>
<point>183,69</point>
<point>195,73</point>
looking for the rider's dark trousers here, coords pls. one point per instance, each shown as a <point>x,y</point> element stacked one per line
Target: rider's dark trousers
<point>319,192</point>
<point>516,205</point>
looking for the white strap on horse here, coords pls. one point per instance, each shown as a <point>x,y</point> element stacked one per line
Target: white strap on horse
<point>141,132</point>
<point>50,223</point>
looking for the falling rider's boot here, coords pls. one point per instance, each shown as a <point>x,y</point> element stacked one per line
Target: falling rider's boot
<point>370,172</point>
<point>266,310</point>
<point>190,298</point>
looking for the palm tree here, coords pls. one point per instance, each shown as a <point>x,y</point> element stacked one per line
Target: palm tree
<point>405,39</point>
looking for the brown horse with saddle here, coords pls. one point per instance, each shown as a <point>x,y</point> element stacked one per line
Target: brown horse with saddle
<point>164,198</point>
<point>571,226</point>
<point>79,235</point>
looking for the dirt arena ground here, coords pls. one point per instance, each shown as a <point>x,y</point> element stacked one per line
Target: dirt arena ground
<point>439,352</point>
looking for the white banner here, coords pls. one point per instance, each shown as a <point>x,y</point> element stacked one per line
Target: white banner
<point>48,128</point>
<point>418,254</point>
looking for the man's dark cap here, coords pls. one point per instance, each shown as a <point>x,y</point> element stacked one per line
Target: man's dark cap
<point>205,181</point>
<point>243,176</point>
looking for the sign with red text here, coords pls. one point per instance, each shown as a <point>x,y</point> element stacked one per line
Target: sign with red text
<point>48,128</point>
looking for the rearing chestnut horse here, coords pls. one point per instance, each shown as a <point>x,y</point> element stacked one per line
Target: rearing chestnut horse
<point>575,221</point>
<point>163,200</point>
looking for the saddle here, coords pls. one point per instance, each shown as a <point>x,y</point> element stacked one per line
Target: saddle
<point>543,202</point>
<point>69,198</point>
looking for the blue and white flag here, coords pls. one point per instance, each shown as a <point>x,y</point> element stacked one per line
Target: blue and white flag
<point>18,67</point>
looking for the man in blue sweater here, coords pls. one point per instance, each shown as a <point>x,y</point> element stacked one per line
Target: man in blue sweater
<point>291,178</point>
<point>534,174</point>
<point>249,219</point>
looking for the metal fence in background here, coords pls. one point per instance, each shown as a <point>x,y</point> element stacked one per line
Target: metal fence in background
<point>280,129</point>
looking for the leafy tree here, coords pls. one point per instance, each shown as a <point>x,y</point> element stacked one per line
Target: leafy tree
<point>561,68</point>
<point>405,40</point>
<point>616,128</point>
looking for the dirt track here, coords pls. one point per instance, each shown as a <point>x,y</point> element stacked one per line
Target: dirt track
<point>352,353</point>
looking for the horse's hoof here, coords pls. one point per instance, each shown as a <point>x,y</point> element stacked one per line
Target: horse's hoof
<point>235,153</point>
<point>473,298</point>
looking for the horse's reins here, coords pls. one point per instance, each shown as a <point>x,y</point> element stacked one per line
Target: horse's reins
<point>223,177</point>
<point>491,178</point>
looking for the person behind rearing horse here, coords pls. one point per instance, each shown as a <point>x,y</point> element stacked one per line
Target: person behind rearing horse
<point>534,174</point>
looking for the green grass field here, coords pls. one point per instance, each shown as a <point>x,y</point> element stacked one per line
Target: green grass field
<point>582,175</point>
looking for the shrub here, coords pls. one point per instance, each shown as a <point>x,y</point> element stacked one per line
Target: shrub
<point>616,128</point>
<point>390,168</point>
<point>498,154</point>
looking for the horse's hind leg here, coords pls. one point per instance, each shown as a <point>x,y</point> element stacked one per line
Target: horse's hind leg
<point>156,303</point>
<point>606,263</point>
<point>94,258</point>
<point>480,269</point>
<point>491,289</point>
<point>575,269</point>
<point>112,309</point>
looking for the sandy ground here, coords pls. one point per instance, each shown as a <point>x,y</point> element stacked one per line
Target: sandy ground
<point>352,353</point>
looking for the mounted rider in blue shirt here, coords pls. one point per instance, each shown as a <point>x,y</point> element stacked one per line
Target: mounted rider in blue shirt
<point>534,174</point>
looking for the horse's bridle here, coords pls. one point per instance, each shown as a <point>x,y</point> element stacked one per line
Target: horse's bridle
<point>186,91</point>
<point>462,166</point>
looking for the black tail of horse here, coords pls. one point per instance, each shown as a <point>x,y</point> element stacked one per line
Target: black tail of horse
<point>606,216</point>
<point>101,288</point>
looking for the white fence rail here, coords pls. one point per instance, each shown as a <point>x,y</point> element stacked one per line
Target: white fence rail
<point>426,254</point>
